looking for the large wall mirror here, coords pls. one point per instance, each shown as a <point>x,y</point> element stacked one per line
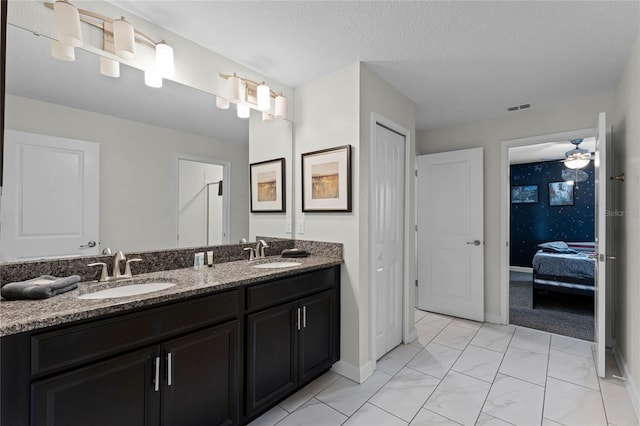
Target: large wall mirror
<point>173,170</point>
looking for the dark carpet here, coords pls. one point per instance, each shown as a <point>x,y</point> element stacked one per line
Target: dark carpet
<point>565,314</point>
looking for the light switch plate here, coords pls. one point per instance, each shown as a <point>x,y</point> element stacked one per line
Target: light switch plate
<point>300,226</point>
<point>288,226</point>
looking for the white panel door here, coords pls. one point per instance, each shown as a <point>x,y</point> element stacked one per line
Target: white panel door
<point>50,198</point>
<point>450,233</point>
<point>604,239</point>
<point>388,236</point>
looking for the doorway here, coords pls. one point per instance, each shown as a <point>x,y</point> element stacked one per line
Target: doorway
<point>202,203</point>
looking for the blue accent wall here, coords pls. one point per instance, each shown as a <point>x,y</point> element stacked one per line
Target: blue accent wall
<point>535,223</point>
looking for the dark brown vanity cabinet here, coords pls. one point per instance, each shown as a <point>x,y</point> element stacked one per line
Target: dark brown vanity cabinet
<point>217,359</point>
<point>293,342</point>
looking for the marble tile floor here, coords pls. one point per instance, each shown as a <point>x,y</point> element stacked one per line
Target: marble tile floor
<point>459,372</point>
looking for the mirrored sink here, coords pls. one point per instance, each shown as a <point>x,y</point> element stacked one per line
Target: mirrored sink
<point>276,265</point>
<point>127,290</point>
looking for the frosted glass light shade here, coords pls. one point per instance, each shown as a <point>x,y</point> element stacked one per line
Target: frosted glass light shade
<point>124,41</point>
<point>67,19</point>
<point>266,116</point>
<point>264,97</point>
<point>280,108</point>
<point>152,78</point>
<point>109,67</point>
<point>62,52</point>
<point>235,90</point>
<point>243,111</point>
<point>222,103</point>
<point>577,163</point>
<point>164,60</point>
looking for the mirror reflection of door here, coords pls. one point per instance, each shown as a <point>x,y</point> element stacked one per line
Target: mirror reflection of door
<point>201,192</point>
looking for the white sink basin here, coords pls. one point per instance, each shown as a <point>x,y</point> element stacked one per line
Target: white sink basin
<point>277,265</point>
<point>127,290</point>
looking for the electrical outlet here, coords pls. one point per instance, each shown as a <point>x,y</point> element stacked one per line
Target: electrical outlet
<point>288,226</point>
<point>300,226</point>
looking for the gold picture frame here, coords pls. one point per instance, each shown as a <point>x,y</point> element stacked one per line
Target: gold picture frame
<point>326,180</point>
<point>267,182</point>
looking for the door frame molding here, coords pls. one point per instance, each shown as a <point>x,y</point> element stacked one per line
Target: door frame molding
<point>407,313</point>
<point>226,204</point>
<point>505,211</point>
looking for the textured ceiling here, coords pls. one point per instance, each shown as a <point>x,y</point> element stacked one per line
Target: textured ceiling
<point>458,61</point>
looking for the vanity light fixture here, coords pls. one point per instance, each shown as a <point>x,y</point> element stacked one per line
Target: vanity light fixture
<point>119,38</point>
<point>248,94</point>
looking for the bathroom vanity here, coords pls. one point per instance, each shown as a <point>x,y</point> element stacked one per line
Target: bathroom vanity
<point>222,346</point>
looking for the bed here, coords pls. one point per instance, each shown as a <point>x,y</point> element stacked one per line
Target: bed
<point>564,268</point>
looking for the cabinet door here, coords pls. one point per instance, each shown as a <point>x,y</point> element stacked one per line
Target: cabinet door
<point>271,356</point>
<point>201,378</point>
<point>120,391</point>
<point>317,335</point>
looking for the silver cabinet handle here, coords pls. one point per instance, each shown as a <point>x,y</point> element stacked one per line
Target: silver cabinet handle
<point>298,320</point>
<point>169,369</point>
<point>304,317</point>
<point>90,244</point>
<point>474,242</point>
<point>156,381</point>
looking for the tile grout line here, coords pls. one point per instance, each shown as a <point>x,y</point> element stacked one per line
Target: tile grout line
<point>546,379</point>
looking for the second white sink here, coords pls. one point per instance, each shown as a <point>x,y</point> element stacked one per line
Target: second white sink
<point>127,290</point>
<point>277,265</point>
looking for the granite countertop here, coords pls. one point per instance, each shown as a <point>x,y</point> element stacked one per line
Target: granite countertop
<point>24,315</point>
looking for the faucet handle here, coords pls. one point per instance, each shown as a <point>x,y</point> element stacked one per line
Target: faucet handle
<point>103,275</point>
<point>127,269</point>
<point>252,252</point>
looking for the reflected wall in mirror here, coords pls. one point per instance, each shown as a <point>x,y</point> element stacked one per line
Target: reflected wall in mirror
<point>141,133</point>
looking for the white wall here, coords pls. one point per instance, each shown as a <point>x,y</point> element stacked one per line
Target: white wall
<point>269,141</point>
<point>332,111</point>
<point>138,170</point>
<point>627,226</point>
<point>572,115</point>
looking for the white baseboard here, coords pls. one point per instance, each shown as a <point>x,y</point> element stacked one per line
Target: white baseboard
<point>632,389</point>
<point>350,371</point>
<point>521,269</point>
<point>492,318</point>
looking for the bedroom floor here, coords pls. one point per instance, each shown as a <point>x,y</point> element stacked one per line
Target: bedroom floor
<point>460,372</point>
<point>566,314</point>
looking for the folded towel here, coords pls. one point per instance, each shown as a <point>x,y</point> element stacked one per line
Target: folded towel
<point>39,288</point>
<point>294,253</point>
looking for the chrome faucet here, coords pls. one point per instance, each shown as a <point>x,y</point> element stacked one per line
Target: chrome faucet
<point>116,275</point>
<point>260,249</point>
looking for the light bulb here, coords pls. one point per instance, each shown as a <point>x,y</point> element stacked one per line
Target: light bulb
<point>264,97</point>
<point>109,67</point>
<point>266,116</point>
<point>576,163</point>
<point>62,52</point>
<point>67,19</point>
<point>222,103</point>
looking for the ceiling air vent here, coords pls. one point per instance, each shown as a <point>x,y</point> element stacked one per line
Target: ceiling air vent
<point>517,107</point>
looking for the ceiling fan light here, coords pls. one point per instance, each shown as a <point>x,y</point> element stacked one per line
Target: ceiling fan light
<point>109,67</point>
<point>280,108</point>
<point>67,20</point>
<point>124,41</point>
<point>576,163</point>
<point>62,52</point>
<point>264,97</point>
<point>164,60</point>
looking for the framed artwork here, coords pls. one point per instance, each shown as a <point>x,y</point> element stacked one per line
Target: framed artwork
<point>267,181</point>
<point>526,194</point>
<point>326,180</point>
<point>561,193</point>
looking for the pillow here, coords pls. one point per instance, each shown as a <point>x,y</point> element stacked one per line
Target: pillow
<point>556,247</point>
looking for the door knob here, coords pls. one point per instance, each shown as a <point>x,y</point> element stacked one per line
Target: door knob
<point>474,242</point>
<point>89,244</point>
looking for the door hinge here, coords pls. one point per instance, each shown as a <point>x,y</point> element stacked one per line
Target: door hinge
<point>416,228</point>
<point>416,283</point>
<point>416,173</point>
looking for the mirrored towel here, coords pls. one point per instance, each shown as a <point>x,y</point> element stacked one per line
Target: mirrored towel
<point>42,287</point>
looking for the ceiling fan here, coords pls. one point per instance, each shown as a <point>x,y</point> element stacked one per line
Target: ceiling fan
<point>577,158</point>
